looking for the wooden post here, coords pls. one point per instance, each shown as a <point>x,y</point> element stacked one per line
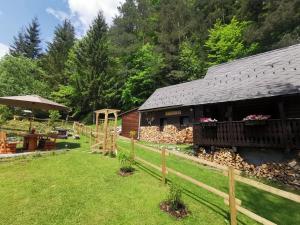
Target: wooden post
<point>163,165</point>
<point>105,130</point>
<point>132,134</point>
<point>91,133</point>
<point>115,131</point>
<point>284,125</point>
<point>97,127</point>
<point>232,203</point>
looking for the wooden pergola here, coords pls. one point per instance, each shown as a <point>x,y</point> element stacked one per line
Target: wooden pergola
<point>106,113</point>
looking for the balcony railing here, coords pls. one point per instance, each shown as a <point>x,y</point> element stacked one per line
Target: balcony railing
<point>273,133</point>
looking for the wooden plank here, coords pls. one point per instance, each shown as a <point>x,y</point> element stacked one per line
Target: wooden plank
<point>267,188</point>
<point>148,163</point>
<point>252,215</point>
<point>232,205</point>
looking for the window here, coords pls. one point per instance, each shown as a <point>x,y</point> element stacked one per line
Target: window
<point>184,121</point>
<point>162,123</point>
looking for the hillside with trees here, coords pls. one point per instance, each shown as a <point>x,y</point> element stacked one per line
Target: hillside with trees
<point>151,44</point>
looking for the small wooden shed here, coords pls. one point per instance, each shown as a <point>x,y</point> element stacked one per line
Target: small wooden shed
<point>130,122</point>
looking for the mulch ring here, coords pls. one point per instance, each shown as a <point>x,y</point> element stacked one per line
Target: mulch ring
<point>125,173</point>
<point>178,214</point>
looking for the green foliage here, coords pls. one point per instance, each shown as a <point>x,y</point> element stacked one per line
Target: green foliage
<point>151,44</point>
<point>87,67</point>
<point>53,117</point>
<point>190,61</point>
<point>125,161</point>
<point>226,43</point>
<point>21,76</point>
<point>144,74</point>
<point>27,43</point>
<point>5,114</point>
<point>175,196</point>
<point>64,95</point>
<point>57,55</point>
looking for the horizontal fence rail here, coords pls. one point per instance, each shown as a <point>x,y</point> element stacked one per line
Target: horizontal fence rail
<point>269,133</point>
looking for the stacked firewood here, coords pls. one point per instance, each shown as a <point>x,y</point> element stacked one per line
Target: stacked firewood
<point>170,134</point>
<point>287,172</point>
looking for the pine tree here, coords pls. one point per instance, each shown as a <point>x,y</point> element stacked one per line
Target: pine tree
<point>27,43</point>
<point>57,54</point>
<point>88,64</point>
<point>32,40</point>
<point>18,46</point>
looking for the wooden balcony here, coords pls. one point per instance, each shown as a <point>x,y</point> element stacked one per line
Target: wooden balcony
<point>275,133</point>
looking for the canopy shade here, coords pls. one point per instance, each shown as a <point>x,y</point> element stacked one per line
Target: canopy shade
<point>32,102</point>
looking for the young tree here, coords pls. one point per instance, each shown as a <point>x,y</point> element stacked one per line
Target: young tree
<point>144,76</point>
<point>57,54</point>
<point>226,42</point>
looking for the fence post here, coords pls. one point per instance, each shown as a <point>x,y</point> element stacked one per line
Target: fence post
<point>232,203</point>
<point>163,165</point>
<point>132,134</point>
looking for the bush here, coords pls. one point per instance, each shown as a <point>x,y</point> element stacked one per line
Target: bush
<point>174,197</point>
<point>5,114</point>
<point>53,117</point>
<point>126,162</point>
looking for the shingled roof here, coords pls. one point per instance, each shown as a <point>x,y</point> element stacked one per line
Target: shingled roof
<point>273,73</point>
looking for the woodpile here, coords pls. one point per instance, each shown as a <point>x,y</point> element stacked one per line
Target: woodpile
<point>170,134</point>
<point>286,172</point>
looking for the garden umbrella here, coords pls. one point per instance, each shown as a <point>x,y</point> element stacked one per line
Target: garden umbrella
<point>32,102</point>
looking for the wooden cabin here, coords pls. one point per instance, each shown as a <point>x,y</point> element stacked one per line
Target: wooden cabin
<point>215,110</point>
<point>130,122</point>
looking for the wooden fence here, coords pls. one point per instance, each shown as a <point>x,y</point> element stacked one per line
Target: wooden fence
<point>274,133</point>
<point>235,205</point>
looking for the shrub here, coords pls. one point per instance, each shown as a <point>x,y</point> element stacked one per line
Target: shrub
<point>174,197</point>
<point>126,162</point>
<point>53,116</point>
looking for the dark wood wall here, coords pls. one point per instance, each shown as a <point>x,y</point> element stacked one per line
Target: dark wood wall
<point>152,118</point>
<point>130,122</point>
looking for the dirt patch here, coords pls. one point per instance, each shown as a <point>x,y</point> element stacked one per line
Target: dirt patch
<point>180,213</point>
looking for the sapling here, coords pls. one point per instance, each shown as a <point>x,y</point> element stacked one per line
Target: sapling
<point>126,162</point>
<point>174,204</point>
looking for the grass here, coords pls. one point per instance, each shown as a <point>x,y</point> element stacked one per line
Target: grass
<point>76,187</point>
<point>276,209</point>
<point>186,148</point>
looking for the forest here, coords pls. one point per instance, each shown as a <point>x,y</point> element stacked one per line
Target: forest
<point>151,44</point>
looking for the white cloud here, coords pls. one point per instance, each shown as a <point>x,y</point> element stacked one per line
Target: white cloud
<point>3,49</point>
<point>1,13</point>
<point>82,12</point>
<point>61,15</point>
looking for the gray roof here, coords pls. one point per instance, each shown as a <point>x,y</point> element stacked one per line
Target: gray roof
<point>273,73</point>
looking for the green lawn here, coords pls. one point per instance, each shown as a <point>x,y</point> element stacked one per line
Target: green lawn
<point>276,209</point>
<point>76,187</point>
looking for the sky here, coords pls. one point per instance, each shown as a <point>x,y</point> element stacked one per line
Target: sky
<point>15,15</point>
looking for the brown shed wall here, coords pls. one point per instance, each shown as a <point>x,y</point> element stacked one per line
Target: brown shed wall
<point>130,121</point>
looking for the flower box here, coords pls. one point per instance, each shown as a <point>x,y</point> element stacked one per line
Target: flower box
<point>256,120</point>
